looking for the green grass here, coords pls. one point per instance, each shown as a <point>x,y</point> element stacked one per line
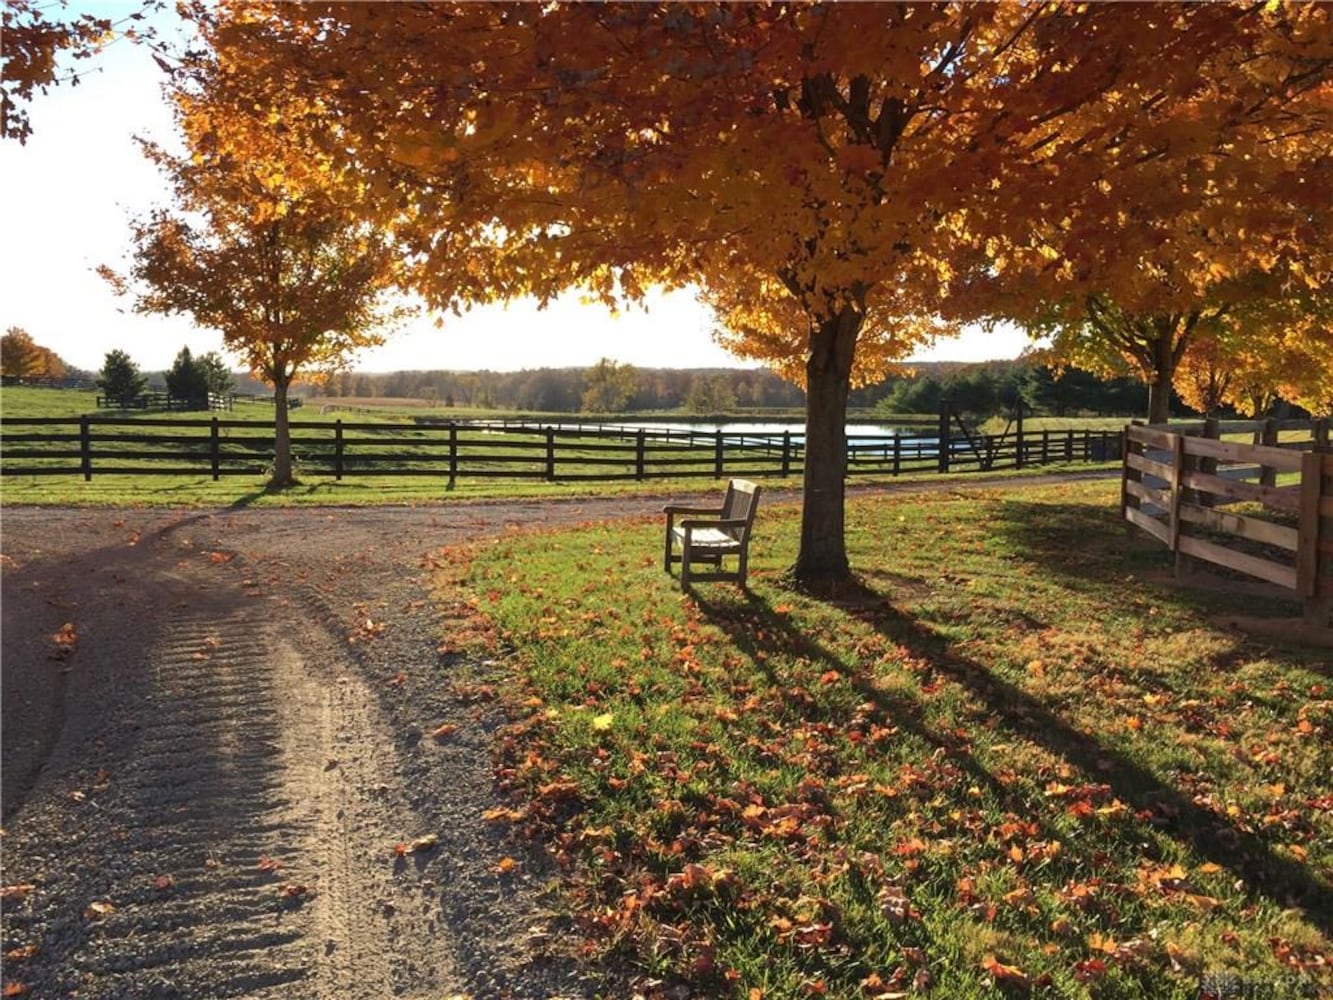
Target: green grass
<point>1006,762</point>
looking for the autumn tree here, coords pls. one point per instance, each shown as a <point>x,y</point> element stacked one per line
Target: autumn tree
<point>609,386</point>
<point>710,394</point>
<point>120,378</point>
<point>33,39</point>
<point>19,356</point>
<point>838,178</point>
<point>293,281</point>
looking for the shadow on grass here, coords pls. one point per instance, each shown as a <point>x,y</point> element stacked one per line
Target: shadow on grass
<point>1085,545</point>
<point>760,632</point>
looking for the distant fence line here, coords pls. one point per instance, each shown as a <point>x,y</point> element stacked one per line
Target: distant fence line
<point>1176,480</point>
<point>109,445</point>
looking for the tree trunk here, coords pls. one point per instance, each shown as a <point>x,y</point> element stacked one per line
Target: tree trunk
<point>282,436</point>
<point>822,561</point>
<point>1159,396</point>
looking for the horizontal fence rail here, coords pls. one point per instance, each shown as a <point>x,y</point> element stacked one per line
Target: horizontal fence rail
<point>1263,509</point>
<point>111,445</point>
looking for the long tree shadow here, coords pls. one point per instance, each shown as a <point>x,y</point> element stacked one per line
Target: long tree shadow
<point>1174,811</point>
<point>759,632</point>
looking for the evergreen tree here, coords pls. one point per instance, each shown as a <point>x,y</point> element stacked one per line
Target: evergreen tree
<point>120,378</point>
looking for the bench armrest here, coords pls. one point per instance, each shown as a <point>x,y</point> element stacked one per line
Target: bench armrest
<point>734,522</point>
<point>672,508</point>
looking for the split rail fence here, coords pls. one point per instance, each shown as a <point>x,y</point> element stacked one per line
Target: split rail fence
<point>1278,523</point>
<point>111,445</point>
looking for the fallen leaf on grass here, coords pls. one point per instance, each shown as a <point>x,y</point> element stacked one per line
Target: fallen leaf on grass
<point>506,865</point>
<point>296,890</point>
<point>15,893</point>
<point>13,989</point>
<point>603,722</point>
<point>443,732</point>
<point>267,864</point>
<point>1011,975</point>
<point>163,882</point>
<point>22,954</point>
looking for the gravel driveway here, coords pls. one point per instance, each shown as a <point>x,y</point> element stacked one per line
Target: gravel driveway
<point>205,782</point>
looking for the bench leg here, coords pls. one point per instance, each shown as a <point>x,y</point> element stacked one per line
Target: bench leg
<point>685,565</point>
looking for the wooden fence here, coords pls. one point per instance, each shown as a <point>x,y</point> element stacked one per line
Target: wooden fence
<point>110,445</point>
<point>1279,527</point>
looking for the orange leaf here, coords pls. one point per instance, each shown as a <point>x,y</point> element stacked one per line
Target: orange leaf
<point>1010,974</point>
<point>15,893</point>
<point>13,989</point>
<point>443,732</point>
<point>506,865</point>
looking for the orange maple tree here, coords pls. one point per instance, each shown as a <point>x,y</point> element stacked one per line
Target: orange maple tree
<point>841,180</point>
<point>293,282</point>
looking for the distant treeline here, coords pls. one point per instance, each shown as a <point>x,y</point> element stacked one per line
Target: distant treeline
<point>979,389</point>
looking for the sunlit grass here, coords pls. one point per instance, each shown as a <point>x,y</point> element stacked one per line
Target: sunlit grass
<point>1005,762</point>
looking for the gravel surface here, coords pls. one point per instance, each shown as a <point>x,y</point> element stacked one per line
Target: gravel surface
<point>206,787</point>
<point>217,730</point>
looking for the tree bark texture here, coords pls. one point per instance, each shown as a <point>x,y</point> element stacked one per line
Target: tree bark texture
<point>822,560</point>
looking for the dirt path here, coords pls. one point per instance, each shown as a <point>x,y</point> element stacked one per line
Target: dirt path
<point>205,791</point>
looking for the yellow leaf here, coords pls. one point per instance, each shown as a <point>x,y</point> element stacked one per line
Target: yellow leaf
<point>604,721</point>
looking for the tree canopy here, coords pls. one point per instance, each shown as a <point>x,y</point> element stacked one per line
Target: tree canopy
<point>841,180</point>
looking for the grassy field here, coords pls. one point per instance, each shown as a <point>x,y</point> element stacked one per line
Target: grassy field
<point>1007,764</point>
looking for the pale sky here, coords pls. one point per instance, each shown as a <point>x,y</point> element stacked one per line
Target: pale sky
<point>69,192</point>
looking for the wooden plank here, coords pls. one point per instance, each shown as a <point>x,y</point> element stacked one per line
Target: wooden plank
<point>1233,451</point>
<point>1307,558</point>
<point>1151,525</point>
<point>1220,555</point>
<point>1278,497</point>
<point>1146,435</point>
<point>1257,530</point>
<point>1158,498</point>
<point>1142,463</point>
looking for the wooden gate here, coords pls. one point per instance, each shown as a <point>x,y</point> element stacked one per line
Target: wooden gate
<point>1257,509</point>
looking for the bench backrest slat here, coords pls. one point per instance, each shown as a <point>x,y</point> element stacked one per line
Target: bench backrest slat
<point>740,503</point>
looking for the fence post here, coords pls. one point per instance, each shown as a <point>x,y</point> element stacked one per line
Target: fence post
<point>338,448</point>
<point>1176,527</point>
<point>1018,442</point>
<point>640,445</point>
<point>453,454</point>
<point>897,453</point>
<point>942,433</point>
<point>717,455</point>
<point>550,454</point>
<point>1127,500</point>
<point>1267,435</point>
<point>215,451</point>
<point>86,448</point>
<point>786,454</point>
<point>1069,445</point>
<point>1319,431</point>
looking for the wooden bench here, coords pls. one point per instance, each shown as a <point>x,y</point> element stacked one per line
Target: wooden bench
<point>707,534</point>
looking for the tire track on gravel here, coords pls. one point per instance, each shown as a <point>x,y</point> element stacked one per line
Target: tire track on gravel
<point>214,756</point>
